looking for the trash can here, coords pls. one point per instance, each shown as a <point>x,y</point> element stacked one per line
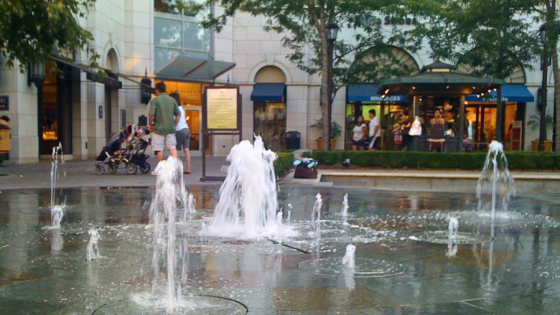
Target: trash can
<point>293,140</point>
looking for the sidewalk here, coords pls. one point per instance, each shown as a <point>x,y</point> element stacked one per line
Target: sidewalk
<point>82,174</point>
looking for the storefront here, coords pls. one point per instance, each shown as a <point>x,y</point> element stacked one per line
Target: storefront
<point>269,101</point>
<point>360,99</point>
<point>482,114</point>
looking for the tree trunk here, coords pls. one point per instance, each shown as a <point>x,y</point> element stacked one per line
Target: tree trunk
<point>556,73</point>
<point>325,90</point>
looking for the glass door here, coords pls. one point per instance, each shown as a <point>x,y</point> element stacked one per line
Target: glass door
<point>193,116</point>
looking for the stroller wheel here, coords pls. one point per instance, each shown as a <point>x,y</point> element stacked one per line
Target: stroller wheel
<point>145,168</point>
<point>113,168</point>
<point>99,169</point>
<point>131,168</point>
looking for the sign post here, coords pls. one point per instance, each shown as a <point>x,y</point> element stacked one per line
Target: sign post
<point>221,115</point>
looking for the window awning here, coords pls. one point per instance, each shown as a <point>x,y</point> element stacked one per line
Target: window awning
<point>268,92</point>
<point>182,68</point>
<point>510,93</point>
<point>92,74</point>
<point>368,93</point>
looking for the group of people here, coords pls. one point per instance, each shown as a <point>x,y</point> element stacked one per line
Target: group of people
<point>168,125</point>
<point>366,137</point>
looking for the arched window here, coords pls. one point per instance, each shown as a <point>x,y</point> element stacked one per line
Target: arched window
<point>270,74</point>
<point>382,62</point>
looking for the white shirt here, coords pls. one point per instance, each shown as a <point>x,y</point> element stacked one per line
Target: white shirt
<point>182,121</point>
<point>374,122</point>
<point>358,132</point>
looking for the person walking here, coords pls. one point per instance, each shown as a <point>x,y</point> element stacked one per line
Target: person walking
<point>183,134</point>
<point>359,134</point>
<point>374,132</point>
<point>163,117</point>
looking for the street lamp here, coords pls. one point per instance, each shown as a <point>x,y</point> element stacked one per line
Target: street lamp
<point>542,131</point>
<point>36,73</point>
<point>331,33</point>
<point>145,89</point>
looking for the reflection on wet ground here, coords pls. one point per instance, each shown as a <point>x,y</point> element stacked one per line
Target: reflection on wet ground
<point>45,271</point>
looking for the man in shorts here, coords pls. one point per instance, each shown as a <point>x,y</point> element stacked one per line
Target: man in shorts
<point>164,116</point>
<point>374,131</point>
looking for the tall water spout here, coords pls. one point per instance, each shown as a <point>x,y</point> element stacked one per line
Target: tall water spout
<point>166,290</point>
<point>316,213</point>
<point>57,212</point>
<point>344,211</point>
<point>248,197</point>
<point>92,246</point>
<point>495,179</point>
<point>452,238</point>
<point>191,204</point>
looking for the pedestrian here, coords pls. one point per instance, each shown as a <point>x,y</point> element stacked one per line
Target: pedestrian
<point>164,116</point>
<point>359,134</point>
<point>183,134</point>
<point>374,131</point>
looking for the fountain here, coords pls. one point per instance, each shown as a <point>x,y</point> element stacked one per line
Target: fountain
<point>92,247</point>
<point>191,204</point>
<point>348,260</point>
<point>453,233</point>
<point>248,197</point>
<point>57,211</point>
<point>495,179</point>
<point>344,211</point>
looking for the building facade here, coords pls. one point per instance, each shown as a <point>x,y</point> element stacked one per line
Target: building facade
<point>80,110</point>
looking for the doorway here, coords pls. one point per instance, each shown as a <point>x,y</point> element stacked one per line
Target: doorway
<point>193,115</point>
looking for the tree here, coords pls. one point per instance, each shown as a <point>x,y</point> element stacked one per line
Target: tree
<point>303,24</point>
<point>32,30</point>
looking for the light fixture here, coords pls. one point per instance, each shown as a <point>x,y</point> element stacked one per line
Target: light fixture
<point>331,31</point>
<point>36,73</point>
<point>386,91</point>
<point>146,89</point>
<point>447,87</point>
<point>495,89</point>
<point>482,94</point>
<point>414,88</point>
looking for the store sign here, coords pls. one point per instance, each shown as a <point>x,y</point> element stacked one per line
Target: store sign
<point>4,102</point>
<point>392,98</point>
<point>222,109</point>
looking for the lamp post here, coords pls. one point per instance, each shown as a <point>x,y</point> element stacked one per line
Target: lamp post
<point>542,131</point>
<point>331,32</point>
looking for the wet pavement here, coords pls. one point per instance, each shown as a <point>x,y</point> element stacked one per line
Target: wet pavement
<point>513,267</point>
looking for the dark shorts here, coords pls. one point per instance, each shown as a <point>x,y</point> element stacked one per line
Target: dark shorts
<point>374,143</point>
<point>359,143</point>
<point>183,138</point>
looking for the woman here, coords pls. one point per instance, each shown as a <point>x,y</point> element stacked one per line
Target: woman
<point>437,131</point>
<point>359,134</point>
<point>183,134</point>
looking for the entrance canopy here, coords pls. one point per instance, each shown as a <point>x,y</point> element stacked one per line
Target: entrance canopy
<point>368,93</point>
<point>192,69</point>
<point>92,75</point>
<point>268,92</point>
<point>510,93</point>
<point>440,79</point>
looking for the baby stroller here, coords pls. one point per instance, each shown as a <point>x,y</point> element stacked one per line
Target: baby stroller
<point>131,158</point>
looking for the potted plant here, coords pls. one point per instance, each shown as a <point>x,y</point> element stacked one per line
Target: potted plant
<point>336,131</point>
<point>535,124</point>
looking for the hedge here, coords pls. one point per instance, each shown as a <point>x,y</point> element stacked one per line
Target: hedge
<point>283,163</point>
<point>432,160</point>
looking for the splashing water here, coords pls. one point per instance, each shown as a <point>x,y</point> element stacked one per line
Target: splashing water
<point>289,218</point>
<point>495,179</point>
<point>316,212</point>
<point>344,211</point>
<point>92,246</point>
<point>453,233</point>
<point>169,199</point>
<point>248,197</point>
<point>203,232</point>
<point>279,217</point>
<point>57,212</point>
<point>191,204</point>
<point>348,261</point>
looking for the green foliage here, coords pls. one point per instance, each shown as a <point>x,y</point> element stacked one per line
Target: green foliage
<point>31,30</point>
<point>283,163</point>
<point>518,160</point>
<point>336,129</point>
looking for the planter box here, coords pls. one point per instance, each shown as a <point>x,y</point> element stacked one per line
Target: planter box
<point>547,145</point>
<point>305,172</point>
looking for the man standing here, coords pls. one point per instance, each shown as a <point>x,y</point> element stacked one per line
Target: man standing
<point>164,116</point>
<point>374,132</point>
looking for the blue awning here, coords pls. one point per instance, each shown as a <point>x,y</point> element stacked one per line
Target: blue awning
<point>368,93</point>
<point>510,93</point>
<point>268,92</point>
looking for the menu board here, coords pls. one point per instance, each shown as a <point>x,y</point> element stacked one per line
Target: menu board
<point>221,106</point>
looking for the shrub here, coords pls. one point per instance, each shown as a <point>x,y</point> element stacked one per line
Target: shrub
<point>518,160</point>
<point>283,163</point>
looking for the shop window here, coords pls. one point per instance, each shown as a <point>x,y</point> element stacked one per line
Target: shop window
<point>270,124</point>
